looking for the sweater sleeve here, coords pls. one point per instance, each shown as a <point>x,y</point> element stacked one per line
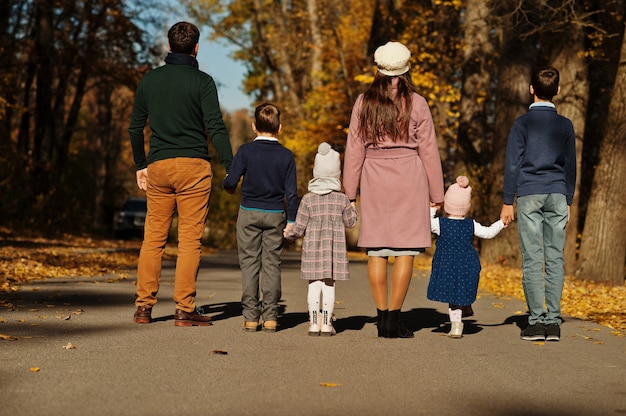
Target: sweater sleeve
<point>291,190</point>
<point>434,222</point>
<point>236,170</point>
<point>513,160</point>
<point>488,232</point>
<point>214,122</point>
<point>138,121</point>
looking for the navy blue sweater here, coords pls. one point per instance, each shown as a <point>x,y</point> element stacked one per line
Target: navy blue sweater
<point>540,155</point>
<point>269,177</point>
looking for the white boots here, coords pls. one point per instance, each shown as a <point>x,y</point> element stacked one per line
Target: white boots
<point>327,325</point>
<point>314,326</point>
<point>325,328</point>
<point>457,330</point>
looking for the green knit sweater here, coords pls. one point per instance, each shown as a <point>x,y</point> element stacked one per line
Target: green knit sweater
<point>181,104</point>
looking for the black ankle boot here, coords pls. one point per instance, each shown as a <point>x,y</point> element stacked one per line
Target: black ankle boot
<point>392,324</point>
<point>382,322</point>
<point>397,328</point>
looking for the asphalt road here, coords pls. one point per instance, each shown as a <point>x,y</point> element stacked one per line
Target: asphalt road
<point>121,368</point>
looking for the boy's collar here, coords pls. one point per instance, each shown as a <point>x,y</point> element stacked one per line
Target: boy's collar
<point>266,138</point>
<point>542,104</point>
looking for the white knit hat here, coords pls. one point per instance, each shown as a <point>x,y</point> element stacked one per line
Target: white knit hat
<point>457,199</point>
<point>327,163</point>
<point>392,59</point>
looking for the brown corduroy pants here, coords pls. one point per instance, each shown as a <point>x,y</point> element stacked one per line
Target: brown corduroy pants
<point>183,185</point>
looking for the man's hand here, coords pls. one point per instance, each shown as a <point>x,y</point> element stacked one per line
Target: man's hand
<point>142,179</point>
<point>506,215</point>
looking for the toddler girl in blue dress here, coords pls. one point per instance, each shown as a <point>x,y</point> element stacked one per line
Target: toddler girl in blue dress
<point>456,265</point>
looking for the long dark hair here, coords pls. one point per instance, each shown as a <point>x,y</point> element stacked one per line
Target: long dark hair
<point>384,114</point>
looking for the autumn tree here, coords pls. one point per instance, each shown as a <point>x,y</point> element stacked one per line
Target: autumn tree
<point>603,246</point>
<point>68,53</point>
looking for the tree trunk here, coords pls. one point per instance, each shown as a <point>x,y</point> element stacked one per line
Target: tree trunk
<point>572,103</point>
<point>473,124</point>
<point>44,120</point>
<point>512,100</point>
<point>603,245</point>
<point>317,44</point>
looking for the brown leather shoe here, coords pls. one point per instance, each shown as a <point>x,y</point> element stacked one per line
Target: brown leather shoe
<point>182,318</point>
<point>143,315</point>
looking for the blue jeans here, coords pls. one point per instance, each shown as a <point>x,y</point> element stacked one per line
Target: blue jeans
<point>541,223</point>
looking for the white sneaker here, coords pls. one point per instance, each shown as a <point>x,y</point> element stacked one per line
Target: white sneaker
<point>457,330</point>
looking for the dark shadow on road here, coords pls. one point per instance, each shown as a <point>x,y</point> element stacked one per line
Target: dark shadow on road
<point>292,319</point>
<point>421,318</point>
<point>221,311</point>
<point>352,323</point>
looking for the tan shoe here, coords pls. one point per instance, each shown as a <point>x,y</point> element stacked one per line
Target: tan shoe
<point>250,326</point>
<point>269,326</point>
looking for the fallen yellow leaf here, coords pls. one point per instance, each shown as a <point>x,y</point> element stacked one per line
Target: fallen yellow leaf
<point>34,369</point>
<point>329,384</point>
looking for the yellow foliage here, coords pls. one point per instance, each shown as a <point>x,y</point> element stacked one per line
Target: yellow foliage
<point>581,299</point>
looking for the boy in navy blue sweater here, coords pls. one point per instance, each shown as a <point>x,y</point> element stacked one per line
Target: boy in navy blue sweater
<point>540,169</point>
<point>269,183</point>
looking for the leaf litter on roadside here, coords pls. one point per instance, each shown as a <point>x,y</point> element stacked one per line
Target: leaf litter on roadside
<point>73,256</point>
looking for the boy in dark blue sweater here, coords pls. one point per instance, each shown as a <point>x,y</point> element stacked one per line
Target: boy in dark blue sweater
<point>540,169</point>
<point>269,180</point>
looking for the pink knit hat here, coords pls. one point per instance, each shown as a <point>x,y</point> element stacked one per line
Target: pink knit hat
<point>458,197</point>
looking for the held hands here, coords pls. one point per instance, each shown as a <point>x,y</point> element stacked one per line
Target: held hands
<point>506,215</point>
<point>142,179</point>
<point>288,230</point>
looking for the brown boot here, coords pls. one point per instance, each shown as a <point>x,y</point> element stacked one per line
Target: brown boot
<point>182,318</point>
<point>143,315</point>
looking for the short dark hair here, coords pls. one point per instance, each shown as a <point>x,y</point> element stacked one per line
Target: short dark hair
<point>267,118</point>
<point>545,82</point>
<point>183,37</point>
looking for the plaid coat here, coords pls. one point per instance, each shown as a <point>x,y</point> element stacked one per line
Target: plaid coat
<point>322,220</point>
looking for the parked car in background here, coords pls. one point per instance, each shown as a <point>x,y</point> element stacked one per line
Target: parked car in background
<point>130,220</point>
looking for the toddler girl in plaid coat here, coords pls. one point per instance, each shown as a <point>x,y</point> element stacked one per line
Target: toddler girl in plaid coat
<point>323,215</point>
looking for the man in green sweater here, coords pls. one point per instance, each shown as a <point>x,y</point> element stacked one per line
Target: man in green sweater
<point>182,107</point>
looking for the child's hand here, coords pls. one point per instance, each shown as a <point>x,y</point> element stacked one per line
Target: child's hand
<point>288,229</point>
<point>435,205</point>
<point>507,215</point>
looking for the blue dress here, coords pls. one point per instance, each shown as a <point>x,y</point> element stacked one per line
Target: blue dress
<point>456,265</point>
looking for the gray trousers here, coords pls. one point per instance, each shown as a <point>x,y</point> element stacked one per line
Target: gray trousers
<point>260,244</point>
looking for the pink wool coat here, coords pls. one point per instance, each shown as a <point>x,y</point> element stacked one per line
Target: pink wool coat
<point>397,181</point>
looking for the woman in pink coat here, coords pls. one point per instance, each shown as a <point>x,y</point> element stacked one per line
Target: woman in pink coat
<point>392,156</point>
